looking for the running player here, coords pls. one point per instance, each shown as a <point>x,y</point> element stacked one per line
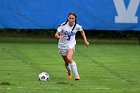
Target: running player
<point>66,34</point>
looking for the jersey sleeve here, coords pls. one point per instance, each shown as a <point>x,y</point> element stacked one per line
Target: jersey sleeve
<point>59,29</point>
<point>79,27</point>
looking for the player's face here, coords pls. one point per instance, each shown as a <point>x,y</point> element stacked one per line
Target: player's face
<point>71,18</point>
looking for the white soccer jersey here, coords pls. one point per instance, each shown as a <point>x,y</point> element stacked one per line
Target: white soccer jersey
<point>69,35</point>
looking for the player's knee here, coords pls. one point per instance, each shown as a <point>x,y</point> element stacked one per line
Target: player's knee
<point>69,59</point>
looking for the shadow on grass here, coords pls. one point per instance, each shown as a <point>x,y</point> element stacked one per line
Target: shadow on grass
<point>5,83</point>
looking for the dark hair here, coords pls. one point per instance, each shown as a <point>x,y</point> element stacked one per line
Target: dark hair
<point>72,13</point>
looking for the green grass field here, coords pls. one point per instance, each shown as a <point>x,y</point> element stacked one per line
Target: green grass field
<point>108,67</point>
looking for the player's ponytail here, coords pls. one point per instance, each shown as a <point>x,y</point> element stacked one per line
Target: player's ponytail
<point>74,24</point>
<point>65,22</point>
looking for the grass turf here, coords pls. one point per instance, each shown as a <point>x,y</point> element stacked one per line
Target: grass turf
<point>103,68</point>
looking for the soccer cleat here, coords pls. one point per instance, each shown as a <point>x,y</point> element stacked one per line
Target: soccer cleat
<point>77,78</point>
<point>69,75</point>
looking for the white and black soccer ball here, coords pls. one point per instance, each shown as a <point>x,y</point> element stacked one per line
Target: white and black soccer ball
<point>44,76</point>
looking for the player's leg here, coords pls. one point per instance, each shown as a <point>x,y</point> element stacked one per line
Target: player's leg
<point>63,52</point>
<point>67,65</point>
<point>72,63</point>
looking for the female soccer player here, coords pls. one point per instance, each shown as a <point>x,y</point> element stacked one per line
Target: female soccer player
<point>66,34</point>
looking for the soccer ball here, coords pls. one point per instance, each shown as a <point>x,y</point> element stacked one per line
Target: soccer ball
<point>44,76</point>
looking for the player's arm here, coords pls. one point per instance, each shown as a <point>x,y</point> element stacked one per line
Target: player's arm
<point>58,36</point>
<point>84,37</point>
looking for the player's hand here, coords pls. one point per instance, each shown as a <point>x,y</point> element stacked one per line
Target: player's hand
<point>87,44</point>
<point>61,37</point>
